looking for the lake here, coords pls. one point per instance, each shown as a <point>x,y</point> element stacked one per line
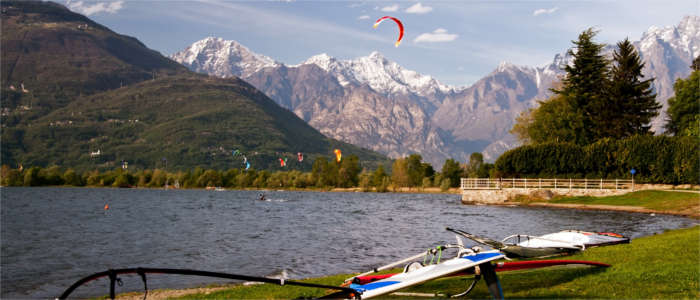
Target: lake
<point>51,237</point>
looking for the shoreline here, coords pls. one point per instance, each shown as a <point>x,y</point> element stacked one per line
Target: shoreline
<point>632,209</point>
<point>627,259</point>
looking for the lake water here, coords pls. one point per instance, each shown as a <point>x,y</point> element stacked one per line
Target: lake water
<point>51,237</point>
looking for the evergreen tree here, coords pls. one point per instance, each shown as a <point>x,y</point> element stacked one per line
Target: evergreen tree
<point>696,64</point>
<point>632,103</point>
<point>583,86</point>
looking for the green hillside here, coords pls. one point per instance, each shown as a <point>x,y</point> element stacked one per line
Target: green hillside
<point>58,55</point>
<point>91,89</point>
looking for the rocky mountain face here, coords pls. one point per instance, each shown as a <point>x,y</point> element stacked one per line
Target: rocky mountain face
<point>375,103</point>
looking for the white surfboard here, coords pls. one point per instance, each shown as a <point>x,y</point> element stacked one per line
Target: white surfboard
<point>424,274</point>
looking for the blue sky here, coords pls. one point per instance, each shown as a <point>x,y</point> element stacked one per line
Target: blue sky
<point>457,42</point>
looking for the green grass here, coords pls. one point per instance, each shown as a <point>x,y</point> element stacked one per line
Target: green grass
<point>664,266</point>
<point>651,199</point>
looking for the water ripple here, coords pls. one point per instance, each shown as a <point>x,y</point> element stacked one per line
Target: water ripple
<point>52,237</point>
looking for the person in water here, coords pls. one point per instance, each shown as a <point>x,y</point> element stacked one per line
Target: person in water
<point>262,197</point>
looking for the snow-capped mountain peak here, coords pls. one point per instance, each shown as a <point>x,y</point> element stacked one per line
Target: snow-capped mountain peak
<point>322,60</point>
<point>683,38</point>
<point>223,58</point>
<point>381,74</point>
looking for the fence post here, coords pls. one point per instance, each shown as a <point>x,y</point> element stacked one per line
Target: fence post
<point>513,186</point>
<point>616,184</point>
<point>601,183</point>
<point>526,183</point>
<point>555,183</point>
<point>585,184</point>
<point>540,183</point>
<point>569,184</point>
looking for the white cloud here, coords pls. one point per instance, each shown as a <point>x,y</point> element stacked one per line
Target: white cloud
<point>542,11</point>
<point>364,17</point>
<point>95,7</point>
<point>419,9</point>
<point>439,35</point>
<point>392,8</point>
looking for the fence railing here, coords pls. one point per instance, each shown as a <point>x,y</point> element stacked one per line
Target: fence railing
<point>542,183</point>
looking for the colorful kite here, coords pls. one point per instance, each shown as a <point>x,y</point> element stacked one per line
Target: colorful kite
<point>300,156</point>
<point>337,155</point>
<point>247,165</point>
<point>283,162</point>
<point>397,23</point>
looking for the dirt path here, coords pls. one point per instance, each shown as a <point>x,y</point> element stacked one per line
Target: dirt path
<point>693,212</point>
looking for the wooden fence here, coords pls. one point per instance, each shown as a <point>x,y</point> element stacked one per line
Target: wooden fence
<point>541,183</point>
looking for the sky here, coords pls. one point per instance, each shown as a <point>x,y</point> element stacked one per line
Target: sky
<point>456,42</point>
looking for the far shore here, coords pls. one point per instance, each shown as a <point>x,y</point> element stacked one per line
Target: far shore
<point>693,212</point>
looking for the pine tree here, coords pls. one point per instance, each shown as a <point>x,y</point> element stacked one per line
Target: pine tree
<point>584,85</point>
<point>632,102</point>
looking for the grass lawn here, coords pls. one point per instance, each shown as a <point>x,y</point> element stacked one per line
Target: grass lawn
<point>651,199</point>
<point>664,266</point>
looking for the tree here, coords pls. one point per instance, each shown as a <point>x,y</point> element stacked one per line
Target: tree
<point>451,171</point>
<point>209,178</point>
<point>684,107</point>
<point>349,171</point>
<point>378,175</point>
<point>632,103</point>
<point>11,177</point>
<point>476,160</point>
<point>415,169</point>
<point>159,178</point>
<point>71,178</point>
<point>583,86</point>
<point>522,126</point>
<point>696,64</point>
<point>31,177</point>
<point>555,120</point>
<point>399,173</point>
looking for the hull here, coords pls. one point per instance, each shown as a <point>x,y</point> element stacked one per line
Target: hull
<point>421,275</point>
<point>499,267</point>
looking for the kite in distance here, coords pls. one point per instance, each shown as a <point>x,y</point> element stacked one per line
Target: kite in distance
<point>338,155</point>
<point>397,23</point>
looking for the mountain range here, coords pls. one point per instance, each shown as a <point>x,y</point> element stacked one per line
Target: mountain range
<point>374,102</point>
<point>78,95</point>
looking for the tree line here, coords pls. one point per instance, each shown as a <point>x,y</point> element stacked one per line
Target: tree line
<point>409,171</point>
